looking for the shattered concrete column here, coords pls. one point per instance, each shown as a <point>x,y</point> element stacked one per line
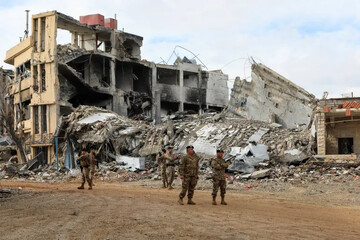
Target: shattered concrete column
<point>182,92</point>
<point>112,74</point>
<point>199,89</point>
<point>154,86</point>
<point>119,105</point>
<point>74,38</point>
<point>321,134</point>
<point>157,103</point>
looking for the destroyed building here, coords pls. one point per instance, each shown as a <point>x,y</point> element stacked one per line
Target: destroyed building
<point>5,77</point>
<point>338,127</point>
<point>102,67</point>
<point>271,97</point>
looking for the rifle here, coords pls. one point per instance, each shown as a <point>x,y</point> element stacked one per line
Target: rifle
<point>229,158</point>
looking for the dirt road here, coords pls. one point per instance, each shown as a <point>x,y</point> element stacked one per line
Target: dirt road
<point>125,211</point>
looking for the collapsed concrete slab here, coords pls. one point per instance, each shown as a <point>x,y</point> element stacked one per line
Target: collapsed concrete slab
<point>248,158</point>
<point>271,97</point>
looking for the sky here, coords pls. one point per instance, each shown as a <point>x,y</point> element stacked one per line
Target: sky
<point>315,44</point>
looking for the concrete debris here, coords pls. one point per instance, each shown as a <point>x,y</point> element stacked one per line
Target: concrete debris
<point>261,174</point>
<point>6,141</point>
<point>6,152</point>
<point>293,156</point>
<point>89,126</point>
<point>249,158</point>
<point>137,104</point>
<point>69,52</point>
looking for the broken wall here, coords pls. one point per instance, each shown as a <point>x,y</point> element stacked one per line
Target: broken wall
<point>217,91</point>
<point>270,97</point>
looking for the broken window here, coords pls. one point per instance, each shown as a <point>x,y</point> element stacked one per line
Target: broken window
<point>26,110</point>
<point>23,71</point>
<point>35,34</point>
<point>132,49</point>
<point>191,79</point>
<point>269,94</point>
<point>36,119</point>
<point>214,108</point>
<point>346,145</point>
<point>168,108</point>
<point>43,77</point>
<point>36,78</point>
<point>42,29</point>
<point>168,76</point>
<point>107,46</point>
<point>276,105</point>
<point>43,119</point>
<point>192,108</point>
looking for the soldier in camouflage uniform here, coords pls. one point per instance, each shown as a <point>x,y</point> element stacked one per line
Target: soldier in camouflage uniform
<point>93,163</point>
<point>218,167</point>
<point>162,165</point>
<point>84,161</point>
<point>188,170</point>
<point>170,166</point>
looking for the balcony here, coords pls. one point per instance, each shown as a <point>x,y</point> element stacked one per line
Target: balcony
<point>20,48</point>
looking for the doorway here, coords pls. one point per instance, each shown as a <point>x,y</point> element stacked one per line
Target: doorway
<point>346,145</point>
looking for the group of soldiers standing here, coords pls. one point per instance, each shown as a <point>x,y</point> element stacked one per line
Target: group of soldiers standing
<point>189,173</point>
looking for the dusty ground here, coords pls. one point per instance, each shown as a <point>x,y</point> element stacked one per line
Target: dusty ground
<point>130,211</point>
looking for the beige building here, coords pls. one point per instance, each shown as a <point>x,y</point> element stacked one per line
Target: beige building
<point>338,129</point>
<point>100,66</point>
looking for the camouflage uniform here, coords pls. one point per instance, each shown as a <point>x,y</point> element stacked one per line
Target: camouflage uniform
<point>85,164</point>
<point>218,166</point>
<point>170,167</point>
<point>92,166</point>
<point>189,168</point>
<point>161,162</point>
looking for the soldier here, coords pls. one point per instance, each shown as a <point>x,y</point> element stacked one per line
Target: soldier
<point>188,170</point>
<point>162,165</point>
<point>84,161</point>
<point>170,166</point>
<point>93,163</point>
<point>218,166</point>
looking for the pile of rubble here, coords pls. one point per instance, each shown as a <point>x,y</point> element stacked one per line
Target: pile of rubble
<point>127,148</point>
<point>68,52</point>
<point>20,172</point>
<point>91,126</point>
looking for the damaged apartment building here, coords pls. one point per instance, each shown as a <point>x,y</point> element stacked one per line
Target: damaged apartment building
<point>338,130</point>
<point>272,98</point>
<point>102,67</point>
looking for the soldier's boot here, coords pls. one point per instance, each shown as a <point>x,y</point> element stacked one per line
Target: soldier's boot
<point>90,185</point>
<point>214,201</point>
<point>81,187</point>
<point>180,201</point>
<point>170,187</point>
<point>223,201</point>
<point>190,202</point>
<point>164,184</point>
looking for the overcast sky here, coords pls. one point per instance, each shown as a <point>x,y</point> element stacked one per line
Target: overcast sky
<point>315,44</point>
